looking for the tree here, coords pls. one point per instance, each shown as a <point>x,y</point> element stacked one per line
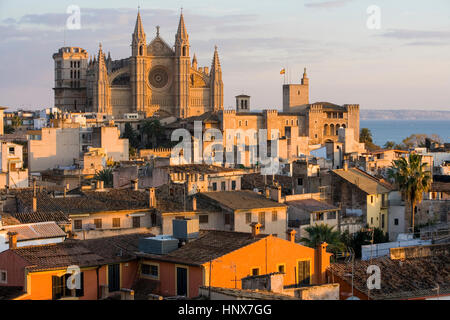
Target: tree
<point>365,136</point>
<point>389,145</point>
<point>323,233</point>
<point>16,121</point>
<point>131,135</point>
<point>154,132</point>
<point>412,180</point>
<point>105,175</point>
<point>361,238</point>
<point>8,129</point>
<point>415,140</point>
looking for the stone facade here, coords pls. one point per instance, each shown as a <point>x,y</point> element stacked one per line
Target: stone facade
<point>155,79</point>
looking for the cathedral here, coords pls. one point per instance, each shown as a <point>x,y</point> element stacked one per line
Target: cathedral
<point>155,79</point>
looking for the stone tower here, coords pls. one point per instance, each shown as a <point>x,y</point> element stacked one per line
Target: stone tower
<point>138,66</point>
<point>101,99</point>
<point>182,69</point>
<point>242,103</point>
<point>70,78</point>
<point>296,95</point>
<point>216,83</point>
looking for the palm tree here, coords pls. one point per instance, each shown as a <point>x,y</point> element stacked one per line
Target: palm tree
<point>105,175</point>
<point>412,180</point>
<point>323,233</point>
<point>153,130</point>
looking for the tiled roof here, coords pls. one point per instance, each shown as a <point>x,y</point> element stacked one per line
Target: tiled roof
<point>83,253</point>
<point>241,200</point>
<point>258,181</point>
<point>311,205</point>
<point>201,169</point>
<point>210,245</point>
<point>251,294</point>
<point>42,230</point>
<point>364,181</point>
<point>84,202</point>
<point>8,219</point>
<point>416,277</point>
<point>42,216</point>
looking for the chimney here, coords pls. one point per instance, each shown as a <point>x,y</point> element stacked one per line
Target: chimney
<point>345,165</point>
<point>267,192</point>
<point>102,184</point>
<point>12,236</point>
<point>34,204</point>
<point>291,235</point>
<point>323,261</point>
<point>255,228</point>
<point>34,197</point>
<point>152,197</point>
<point>194,204</point>
<point>134,184</point>
<point>97,184</point>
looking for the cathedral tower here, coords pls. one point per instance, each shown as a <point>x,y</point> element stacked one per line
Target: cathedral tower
<point>182,69</point>
<point>101,97</point>
<point>216,83</point>
<point>138,66</point>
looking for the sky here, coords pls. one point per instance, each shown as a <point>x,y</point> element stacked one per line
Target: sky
<point>403,64</point>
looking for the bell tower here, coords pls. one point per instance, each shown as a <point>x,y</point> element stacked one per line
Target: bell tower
<point>138,66</point>
<point>182,70</point>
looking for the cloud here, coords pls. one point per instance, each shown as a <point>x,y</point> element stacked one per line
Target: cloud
<point>327,4</point>
<point>415,34</point>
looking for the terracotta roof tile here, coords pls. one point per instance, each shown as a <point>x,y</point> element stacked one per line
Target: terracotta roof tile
<point>83,253</point>
<point>210,244</point>
<point>241,200</point>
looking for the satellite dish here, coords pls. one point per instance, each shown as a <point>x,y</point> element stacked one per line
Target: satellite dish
<point>353,298</point>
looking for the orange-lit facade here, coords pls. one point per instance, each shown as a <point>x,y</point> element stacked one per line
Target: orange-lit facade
<point>268,255</point>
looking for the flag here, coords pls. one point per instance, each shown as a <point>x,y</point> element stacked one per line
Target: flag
<point>283,71</point>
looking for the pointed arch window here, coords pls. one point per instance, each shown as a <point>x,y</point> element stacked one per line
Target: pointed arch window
<point>141,50</point>
<point>184,51</point>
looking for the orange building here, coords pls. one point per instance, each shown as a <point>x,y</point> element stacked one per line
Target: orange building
<point>223,258</point>
<point>106,265</point>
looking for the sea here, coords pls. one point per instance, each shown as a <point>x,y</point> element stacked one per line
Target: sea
<point>397,130</point>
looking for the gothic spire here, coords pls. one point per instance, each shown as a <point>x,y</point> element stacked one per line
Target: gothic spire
<point>181,33</point>
<point>215,65</point>
<point>138,29</point>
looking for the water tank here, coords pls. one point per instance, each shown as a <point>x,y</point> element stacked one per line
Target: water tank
<point>185,229</point>
<point>161,244</point>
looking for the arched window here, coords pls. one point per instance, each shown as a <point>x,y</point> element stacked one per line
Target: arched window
<point>343,126</point>
<point>141,50</point>
<point>325,130</point>
<point>337,129</point>
<point>332,129</point>
<point>184,51</point>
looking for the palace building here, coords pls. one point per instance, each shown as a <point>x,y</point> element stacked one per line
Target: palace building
<point>155,79</point>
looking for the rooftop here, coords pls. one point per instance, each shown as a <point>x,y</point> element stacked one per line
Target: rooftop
<point>364,181</point>
<point>83,253</point>
<point>251,294</point>
<point>57,208</point>
<point>259,181</point>
<point>31,231</point>
<point>201,168</point>
<point>312,205</point>
<point>210,245</point>
<point>241,200</point>
<point>415,277</point>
